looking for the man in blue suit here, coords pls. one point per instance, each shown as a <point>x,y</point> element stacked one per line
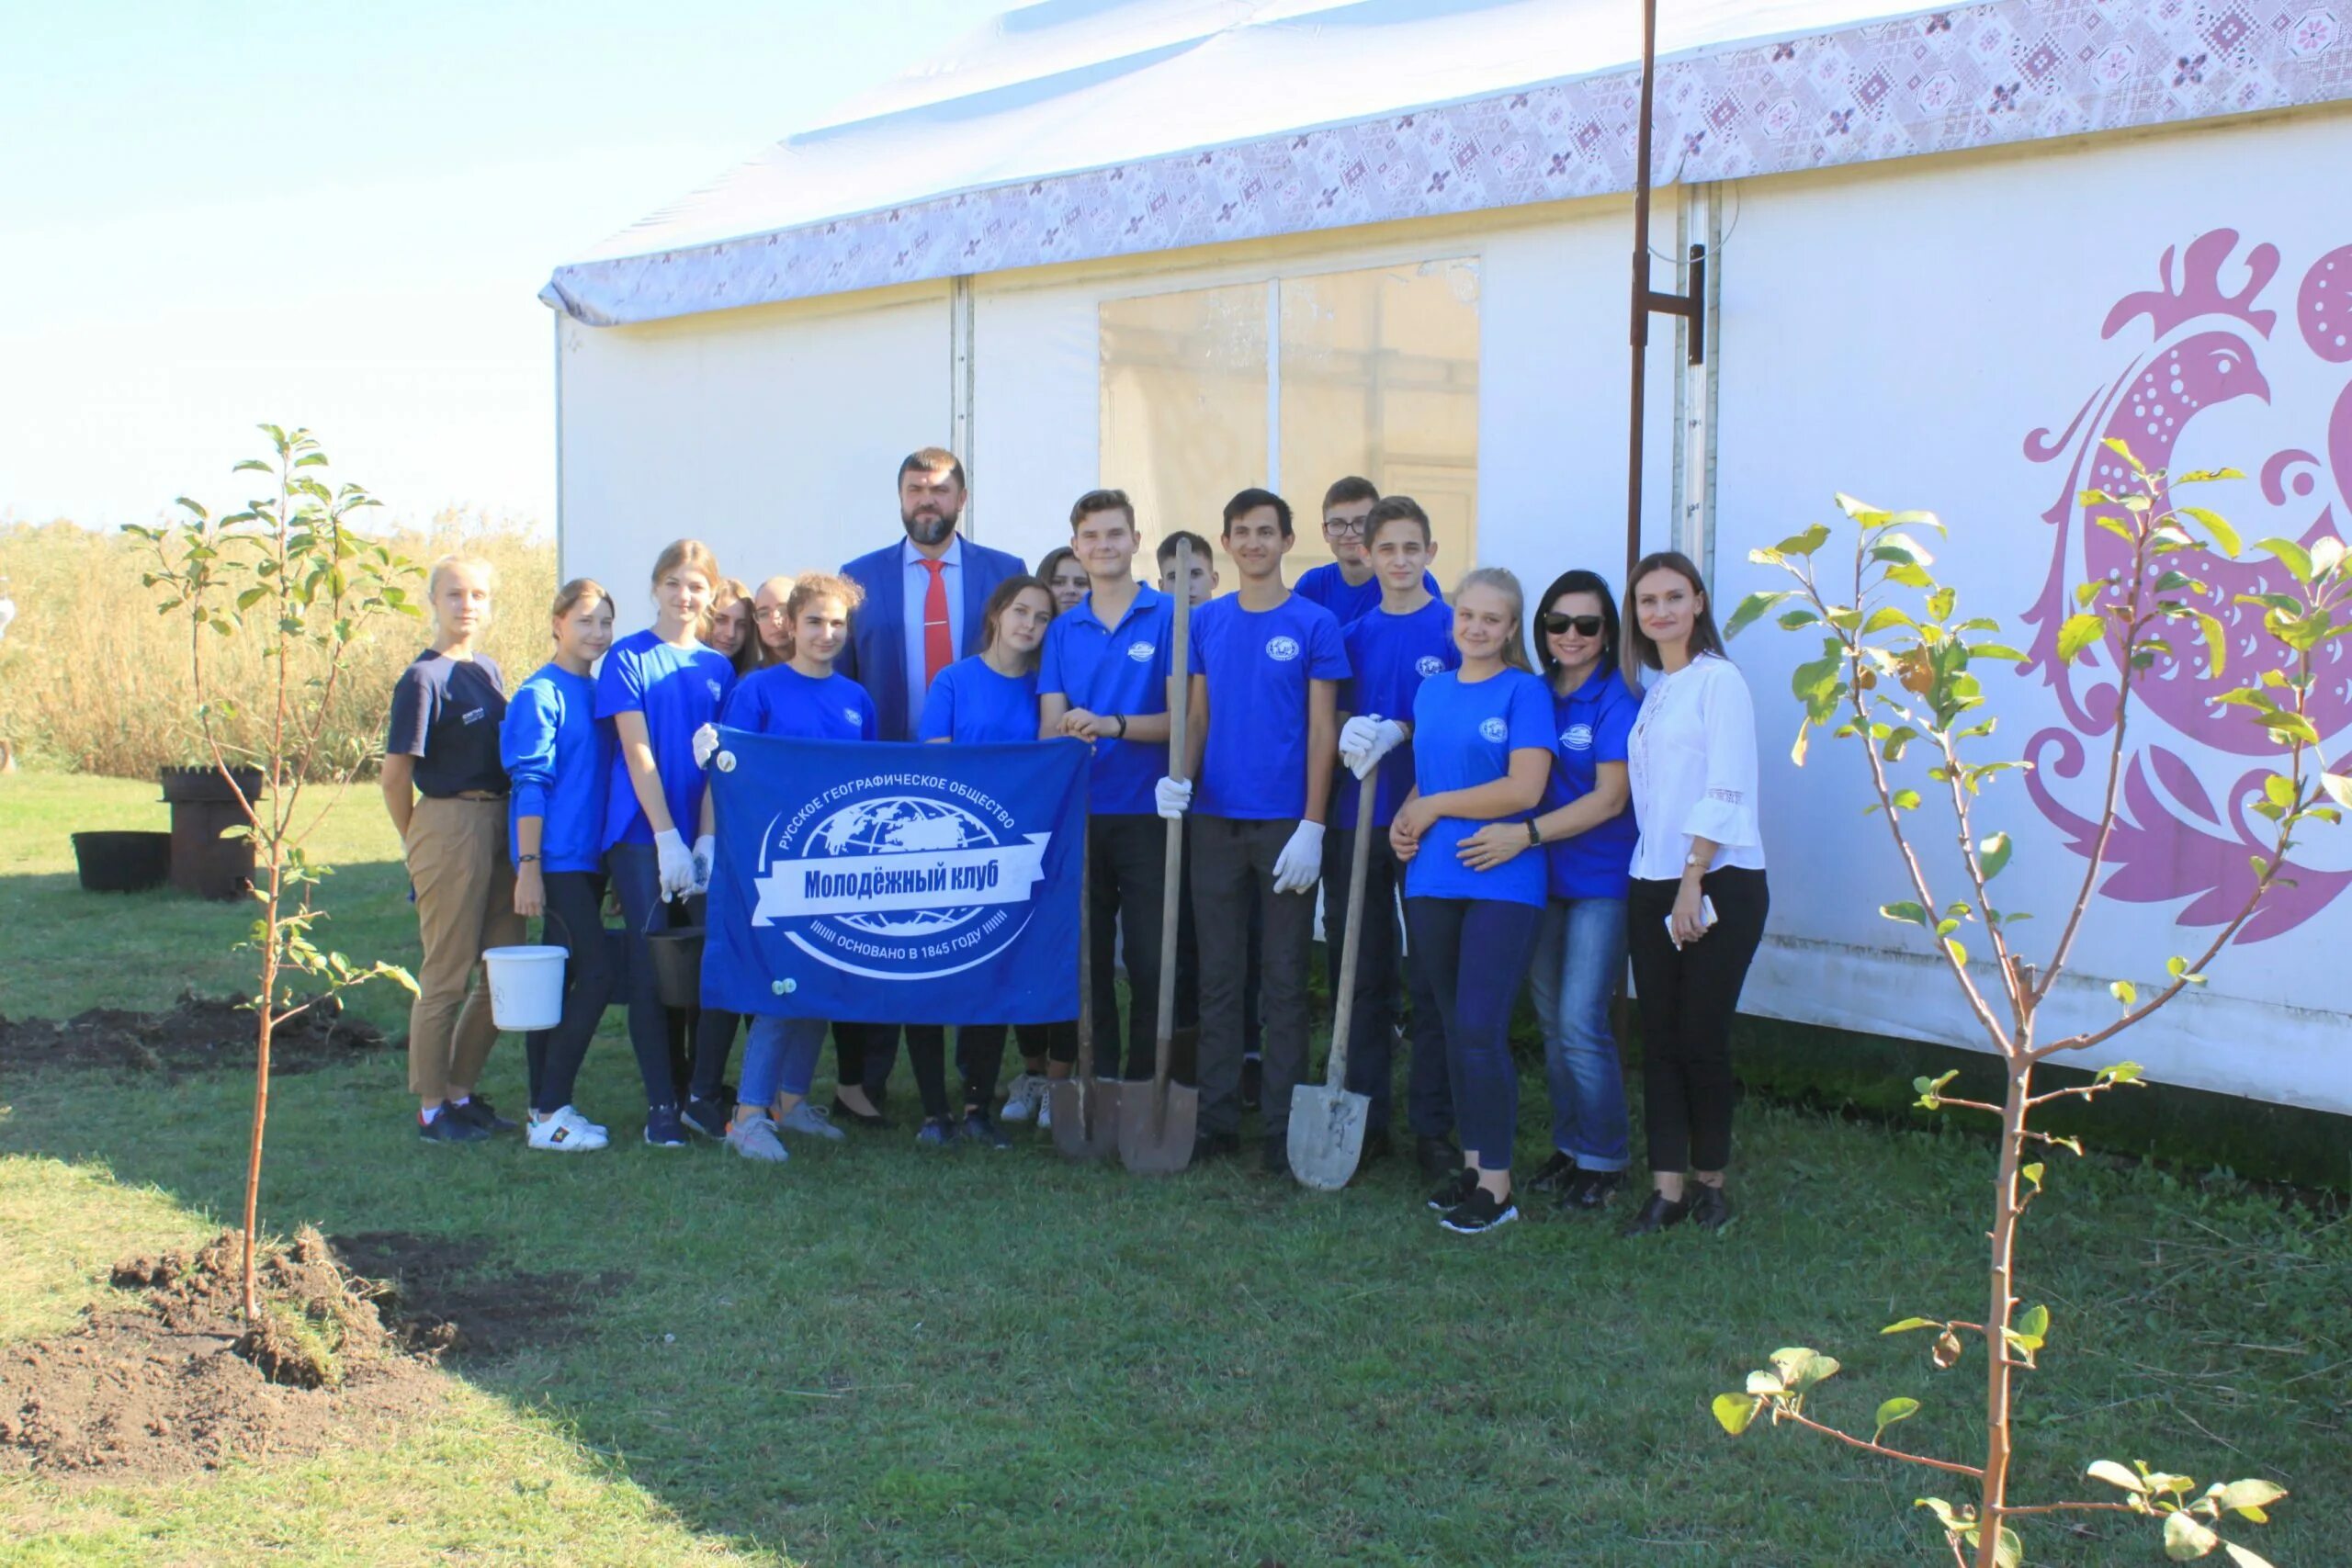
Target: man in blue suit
<point>926,605</point>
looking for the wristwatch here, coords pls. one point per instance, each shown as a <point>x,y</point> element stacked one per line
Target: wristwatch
<point>1535,838</point>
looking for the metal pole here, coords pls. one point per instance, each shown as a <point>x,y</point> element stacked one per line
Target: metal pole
<point>1640,295</point>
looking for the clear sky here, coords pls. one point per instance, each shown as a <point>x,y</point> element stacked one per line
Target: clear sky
<point>221,213</point>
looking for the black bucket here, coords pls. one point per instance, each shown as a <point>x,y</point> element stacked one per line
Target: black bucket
<point>677,965</point>
<point>123,863</point>
<point>202,784</point>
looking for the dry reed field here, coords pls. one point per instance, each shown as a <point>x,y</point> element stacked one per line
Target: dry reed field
<point>94,680</point>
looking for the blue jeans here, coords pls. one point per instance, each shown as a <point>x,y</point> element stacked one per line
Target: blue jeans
<point>780,1057</point>
<point>1476,950</point>
<point>1579,960</point>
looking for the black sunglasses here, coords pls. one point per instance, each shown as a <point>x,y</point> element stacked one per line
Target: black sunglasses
<point>1583,625</point>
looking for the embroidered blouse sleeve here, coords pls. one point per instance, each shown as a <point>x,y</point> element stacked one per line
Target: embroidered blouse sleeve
<point>1724,812</point>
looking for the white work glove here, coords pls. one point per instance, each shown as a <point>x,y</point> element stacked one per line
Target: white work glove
<point>1366,739</point>
<point>1173,798</point>
<point>677,864</point>
<point>705,856</point>
<point>1300,866</point>
<point>705,743</point>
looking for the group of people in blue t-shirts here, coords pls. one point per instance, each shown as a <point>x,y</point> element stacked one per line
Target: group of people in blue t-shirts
<point>1537,822</point>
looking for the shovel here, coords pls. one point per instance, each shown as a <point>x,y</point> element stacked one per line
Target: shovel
<point>1327,1123</point>
<point>1156,1135</point>
<point>1086,1112</point>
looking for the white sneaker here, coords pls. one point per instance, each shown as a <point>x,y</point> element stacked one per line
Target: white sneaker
<point>1045,1107</point>
<point>811,1121</point>
<point>1023,1097</point>
<point>566,1132</point>
<point>754,1137</point>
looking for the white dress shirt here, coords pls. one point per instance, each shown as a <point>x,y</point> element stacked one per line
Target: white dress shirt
<point>918,587</point>
<point>1691,764</point>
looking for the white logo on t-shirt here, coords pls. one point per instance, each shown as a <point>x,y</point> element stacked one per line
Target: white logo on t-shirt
<point>1430,664</point>
<point>714,688</point>
<point>852,715</point>
<point>1141,652</point>
<point>1283,648</point>
<point>1577,737</point>
<point>1494,729</point>
<point>472,716</point>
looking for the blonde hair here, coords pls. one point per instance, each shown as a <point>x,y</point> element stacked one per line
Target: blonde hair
<point>448,563</point>
<point>1503,581</point>
<point>572,595</point>
<point>679,554</point>
<point>815,585</point>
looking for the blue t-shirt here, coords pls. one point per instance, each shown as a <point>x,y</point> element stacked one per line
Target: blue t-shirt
<point>445,714</point>
<point>678,690</point>
<point>1257,664</point>
<point>1324,585</point>
<point>1115,670</point>
<point>1391,655</point>
<point>780,700</point>
<point>559,755</point>
<point>1462,736</point>
<point>1591,725</point>
<point>973,703</point>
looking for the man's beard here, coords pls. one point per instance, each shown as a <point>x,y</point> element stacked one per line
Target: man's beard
<point>926,529</point>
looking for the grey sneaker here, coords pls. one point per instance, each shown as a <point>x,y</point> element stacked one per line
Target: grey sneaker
<point>811,1121</point>
<point>754,1137</point>
<point>1023,1097</point>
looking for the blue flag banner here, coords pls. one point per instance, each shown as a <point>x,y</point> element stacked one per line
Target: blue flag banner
<point>877,882</point>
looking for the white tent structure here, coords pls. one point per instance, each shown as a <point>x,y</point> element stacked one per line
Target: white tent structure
<point>1186,245</point>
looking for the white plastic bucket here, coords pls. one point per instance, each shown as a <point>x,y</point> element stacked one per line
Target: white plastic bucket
<point>526,986</point>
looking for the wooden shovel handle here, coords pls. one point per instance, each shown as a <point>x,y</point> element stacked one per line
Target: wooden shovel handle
<point>1171,894</point>
<point>1344,1004</point>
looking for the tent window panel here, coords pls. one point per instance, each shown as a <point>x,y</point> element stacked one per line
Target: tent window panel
<point>1380,377</point>
<point>1185,403</point>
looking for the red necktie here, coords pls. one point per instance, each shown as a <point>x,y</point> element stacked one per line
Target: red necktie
<point>938,643</point>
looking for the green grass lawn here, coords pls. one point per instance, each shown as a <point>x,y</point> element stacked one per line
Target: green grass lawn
<point>873,1356</point>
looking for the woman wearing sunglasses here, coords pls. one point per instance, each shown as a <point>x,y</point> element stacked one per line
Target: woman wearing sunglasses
<point>1585,835</point>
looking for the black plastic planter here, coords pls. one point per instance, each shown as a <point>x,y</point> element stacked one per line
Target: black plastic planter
<point>121,862</point>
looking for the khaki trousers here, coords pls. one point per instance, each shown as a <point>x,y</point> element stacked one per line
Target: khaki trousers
<point>465,902</point>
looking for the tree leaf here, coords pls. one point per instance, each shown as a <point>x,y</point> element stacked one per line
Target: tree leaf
<point>2290,555</point>
<point>1908,1324</point>
<point>2077,634</point>
<point>2124,991</point>
<point>1805,543</point>
<point>1735,1410</point>
<point>1900,1408</point>
<point>2114,1475</point>
<point>2243,1557</point>
<point>2239,1496</point>
<point>1751,609</point>
<point>2187,1538</point>
<point>1906,910</point>
<point>1993,854</point>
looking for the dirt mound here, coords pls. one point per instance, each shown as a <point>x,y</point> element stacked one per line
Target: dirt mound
<point>179,1381</point>
<point>200,1033</point>
<point>445,1303</point>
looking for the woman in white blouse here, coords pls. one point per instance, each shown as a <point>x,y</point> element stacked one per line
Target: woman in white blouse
<point>1698,900</point>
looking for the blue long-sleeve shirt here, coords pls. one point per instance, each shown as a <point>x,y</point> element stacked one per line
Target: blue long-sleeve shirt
<point>557,754</point>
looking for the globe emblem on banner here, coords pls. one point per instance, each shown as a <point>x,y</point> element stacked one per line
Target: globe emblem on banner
<point>897,825</point>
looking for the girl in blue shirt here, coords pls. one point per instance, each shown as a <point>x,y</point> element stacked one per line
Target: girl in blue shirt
<point>557,754</point>
<point>803,697</point>
<point>1587,835</point>
<point>988,699</point>
<point>658,686</point>
<point>1482,751</point>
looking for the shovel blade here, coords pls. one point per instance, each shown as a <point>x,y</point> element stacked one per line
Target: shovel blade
<point>1154,1140</point>
<point>1086,1122</point>
<point>1326,1135</point>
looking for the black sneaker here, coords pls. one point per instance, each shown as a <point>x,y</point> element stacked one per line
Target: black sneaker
<point>1591,1190</point>
<point>708,1117</point>
<point>450,1128</point>
<point>665,1129</point>
<point>1216,1145</point>
<point>1375,1145</point>
<point>1454,1193</point>
<point>979,1128</point>
<point>1710,1210</point>
<point>1660,1213</point>
<point>482,1114</point>
<point>1276,1157</point>
<point>1479,1212</point>
<point>1554,1175</point>
<point>1437,1156</point>
<point>1253,1079</point>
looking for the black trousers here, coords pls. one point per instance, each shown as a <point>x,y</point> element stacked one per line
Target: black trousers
<point>1689,996</point>
<point>1127,872</point>
<point>1233,872</point>
<point>1371,1032</point>
<point>574,921</point>
<point>864,1055</point>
